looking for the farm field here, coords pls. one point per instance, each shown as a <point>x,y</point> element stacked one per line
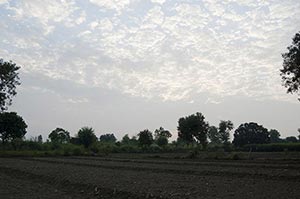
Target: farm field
<point>150,176</point>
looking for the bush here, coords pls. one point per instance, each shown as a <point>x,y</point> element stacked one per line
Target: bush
<point>273,147</point>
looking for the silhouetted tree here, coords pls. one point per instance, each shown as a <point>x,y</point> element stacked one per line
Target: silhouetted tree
<point>224,130</point>
<point>251,133</point>
<point>12,126</point>
<point>59,135</point>
<point>193,127</point>
<point>291,66</point>
<point>213,135</point>
<point>291,139</point>
<point>145,138</point>
<point>274,136</point>
<point>9,79</point>
<point>299,134</point>
<point>108,138</point>
<point>161,132</point>
<point>40,139</point>
<point>86,136</point>
<point>162,141</point>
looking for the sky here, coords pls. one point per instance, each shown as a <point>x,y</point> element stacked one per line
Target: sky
<point>121,66</point>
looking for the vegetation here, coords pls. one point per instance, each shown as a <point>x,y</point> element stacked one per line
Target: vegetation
<point>12,126</point>
<point>86,136</point>
<point>193,128</point>
<point>251,133</point>
<point>9,79</point>
<point>290,72</point>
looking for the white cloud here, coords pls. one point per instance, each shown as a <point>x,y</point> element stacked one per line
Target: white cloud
<point>173,51</point>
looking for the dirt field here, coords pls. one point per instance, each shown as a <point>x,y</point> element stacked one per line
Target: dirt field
<point>143,176</point>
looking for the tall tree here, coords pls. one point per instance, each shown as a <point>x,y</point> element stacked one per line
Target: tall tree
<point>213,135</point>
<point>290,72</point>
<point>12,126</point>
<point>9,79</point>
<point>251,133</point>
<point>86,136</point>
<point>224,130</point>
<point>193,127</point>
<point>145,138</point>
<point>161,132</point>
<point>59,135</point>
<point>110,138</point>
<point>274,136</point>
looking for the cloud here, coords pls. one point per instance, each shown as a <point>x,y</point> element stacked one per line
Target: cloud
<point>164,50</point>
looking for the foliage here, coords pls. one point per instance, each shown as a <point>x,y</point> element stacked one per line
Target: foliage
<point>12,126</point>
<point>290,72</point>
<point>161,132</point>
<point>292,139</point>
<point>193,127</point>
<point>86,136</point>
<point>224,131</point>
<point>213,135</point>
<point>161,141</point>
<point>251,133</point>
<point>126,140</point>
<point>59,135</point>
<point>108,138</point>
<point>274,136</point>
<point>145,138</point>
<point>9,79</point>
<point>272,147</point>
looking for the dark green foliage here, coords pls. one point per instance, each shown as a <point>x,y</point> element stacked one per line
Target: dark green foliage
<point>86,136</point>
<point>162,141</point>
<point>290,72</point>
<point>145,138</point>
<point>274,136</point>
<point>273,147</point>
<point>108,138</point>
<point>161,136</point>
<point>9,79</point>
<point>59,135</point>
<point>224,130</point>
<point>126,140</point>
<point>291,139</point>
<point>251,133</point>
<point>161,132</point>
<point>213,135</point>
<point>193,127</point>
<point>40,139</point>
<point>12,126</point>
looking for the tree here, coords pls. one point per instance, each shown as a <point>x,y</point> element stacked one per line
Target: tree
<point>161,136</point>
<point>224,130</point>
<point>40,139</point>
<point>9,79</point>
<point>86,136</point>
<point>213,135</point>
<point>12,126</point>
<point>250,133</point>
<point>126,140</point>
<point>108,138</point>
<point>292,139</point>
<point>161,132</point>
<point>274,136</point>
<point>193,127</point>
<point>59,135</point>
<point>299,134</point>
<point>145,138</point>
<point>290,72</point>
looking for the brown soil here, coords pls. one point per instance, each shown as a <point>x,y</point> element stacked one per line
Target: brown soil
<point>142,177</point>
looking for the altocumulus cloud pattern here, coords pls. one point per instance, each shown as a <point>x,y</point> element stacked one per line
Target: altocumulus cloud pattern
<point>165,49</point>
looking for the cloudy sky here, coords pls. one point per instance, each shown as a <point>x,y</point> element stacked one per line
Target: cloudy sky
<point>125,65</point>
